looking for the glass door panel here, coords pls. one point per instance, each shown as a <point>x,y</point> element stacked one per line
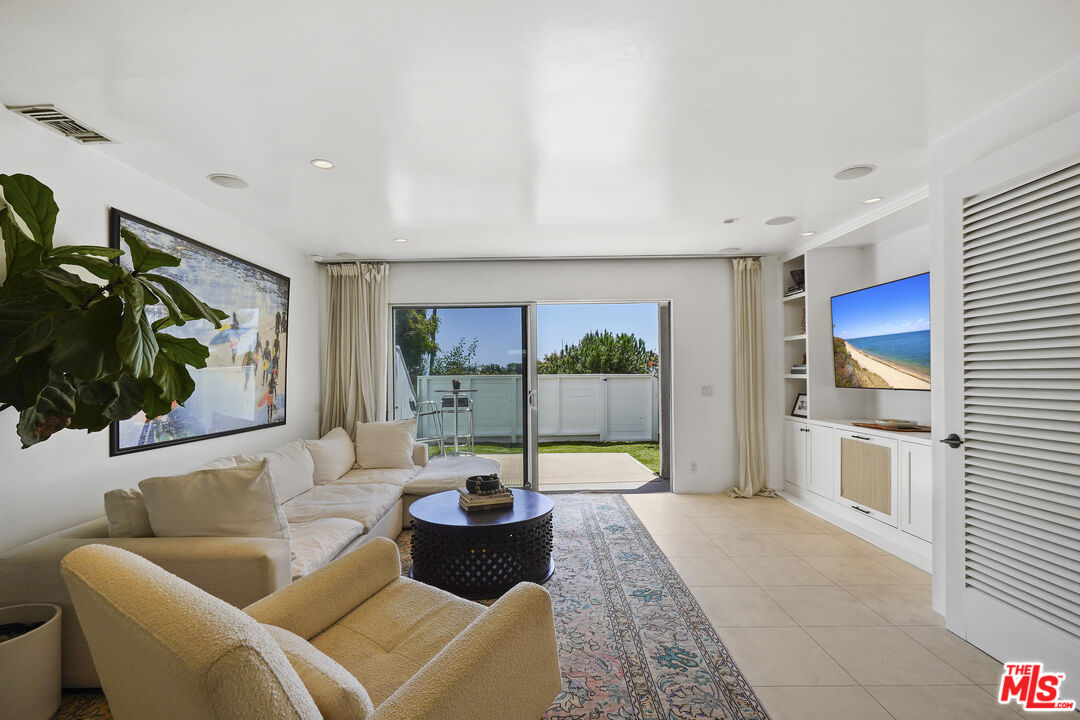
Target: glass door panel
<point>461,372</point>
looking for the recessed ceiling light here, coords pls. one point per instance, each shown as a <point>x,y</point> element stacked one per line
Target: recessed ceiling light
<point>227,181</point>
<point>855,172</point>
<point>730,221</point>
<point>872,200</point>
<point>808,233</point>
<point>780,220</point>
<point>729,251</point>
<point>322,164</point>
<point>401,239</point>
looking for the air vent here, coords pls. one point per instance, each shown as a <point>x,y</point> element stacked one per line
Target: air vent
<point>52,117</point>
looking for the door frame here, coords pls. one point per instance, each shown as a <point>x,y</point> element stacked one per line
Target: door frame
<point>998,629</point>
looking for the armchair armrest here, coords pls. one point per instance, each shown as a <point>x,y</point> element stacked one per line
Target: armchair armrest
<point>511,646</point>
<point>317,601</point>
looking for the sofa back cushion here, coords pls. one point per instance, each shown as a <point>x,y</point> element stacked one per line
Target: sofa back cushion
<point>126,513</point>
<point>336,692</point>
<point>334,454</point>
<point>292,470</point>
<point>385,444</point>
<point>227,502</point>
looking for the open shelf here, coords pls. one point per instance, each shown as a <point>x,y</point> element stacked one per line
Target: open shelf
<point>793,376</point>
<point>796,296</point>
<point>791,338</point>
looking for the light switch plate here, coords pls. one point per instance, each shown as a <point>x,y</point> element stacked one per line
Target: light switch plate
<point>706,390</point>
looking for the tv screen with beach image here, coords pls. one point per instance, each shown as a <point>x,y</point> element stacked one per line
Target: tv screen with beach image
<point>881,336</point>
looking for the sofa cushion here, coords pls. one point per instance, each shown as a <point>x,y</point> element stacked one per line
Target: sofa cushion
<point>388,476</point>
<point>317,542</point>
<point>392,635</point>
<point>337,694</point>
<point>385,444</point>
<point>448,472</point>
<point>364,502</point>
<point>228,502</point>
<point>126,512</point>
<point>334,454</point>
<point>291,468</point>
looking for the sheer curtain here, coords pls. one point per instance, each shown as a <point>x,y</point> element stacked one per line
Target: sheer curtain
<point>749,378</point>
<point>354,382</point>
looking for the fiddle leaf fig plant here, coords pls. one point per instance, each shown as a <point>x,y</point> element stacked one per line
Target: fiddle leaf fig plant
<point>78,349</point>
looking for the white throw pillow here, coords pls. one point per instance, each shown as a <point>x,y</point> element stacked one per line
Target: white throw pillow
<point>336,692</point>
<point>385,444</point>
<point>228,502</point>
<point>291,468</point>
<point>126,513</point>
<point>334,454</point>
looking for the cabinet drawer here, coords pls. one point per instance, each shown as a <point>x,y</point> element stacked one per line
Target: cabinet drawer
<point>868,471</point>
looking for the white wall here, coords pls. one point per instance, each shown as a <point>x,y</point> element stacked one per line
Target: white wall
<point>700,291</point>
<point>60,482</point>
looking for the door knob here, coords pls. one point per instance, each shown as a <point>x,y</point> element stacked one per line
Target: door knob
<point>953,440</point>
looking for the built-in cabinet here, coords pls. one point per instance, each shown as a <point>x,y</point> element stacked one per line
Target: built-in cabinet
<point>879,481</point>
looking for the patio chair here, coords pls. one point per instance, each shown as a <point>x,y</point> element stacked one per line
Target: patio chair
<point>429,409</point>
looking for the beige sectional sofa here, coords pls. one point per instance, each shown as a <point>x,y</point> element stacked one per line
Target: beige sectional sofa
<point>325,521</point>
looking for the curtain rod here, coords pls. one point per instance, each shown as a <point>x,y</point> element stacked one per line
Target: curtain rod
<point>322,260</point>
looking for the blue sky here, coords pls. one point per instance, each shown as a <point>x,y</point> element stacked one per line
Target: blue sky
<point>896,307</point>
<point>499,329</point>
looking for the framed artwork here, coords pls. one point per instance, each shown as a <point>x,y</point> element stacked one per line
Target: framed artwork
<point>242,387</point>
<point>801,407</point>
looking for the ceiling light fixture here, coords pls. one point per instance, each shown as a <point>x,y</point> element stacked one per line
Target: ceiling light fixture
<point>808,233</point>
<point>731,221</point>
<point>781,220</point>
<point>855,172</point>
<point>401,240</point>
<point>872,200</point>
<point>225,180</point>
<point>322,164</point>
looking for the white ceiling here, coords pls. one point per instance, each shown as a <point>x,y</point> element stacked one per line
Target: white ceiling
<point>507,128</point>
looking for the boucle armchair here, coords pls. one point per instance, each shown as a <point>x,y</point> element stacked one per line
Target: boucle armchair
<point>352,640</point>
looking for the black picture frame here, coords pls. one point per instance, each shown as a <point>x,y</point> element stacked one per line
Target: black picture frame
<point>262,290</point>
<point>795,408</point>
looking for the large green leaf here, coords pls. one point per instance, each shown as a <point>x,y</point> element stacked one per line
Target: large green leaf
<point>96,392</point>
<point>69,286</point>
<point>91,418</point>
<point>173,378</point>
<point>87,345</point>
<point>20,387</point>
<point>153,404</point>
<point>102,268</point>
<point>186,351</point>
<point>33,202</point>
<point>129,399</point>
<point>108,253</point>
<point>21,252</point>
<point>144,257</point>
<point>28,324</point>
<point>175,316</point>
<point>137,345</point>
<point>188,303</point>
<point>50,413</point>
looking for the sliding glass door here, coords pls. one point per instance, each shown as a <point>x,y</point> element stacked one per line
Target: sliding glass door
<point>464,373</point>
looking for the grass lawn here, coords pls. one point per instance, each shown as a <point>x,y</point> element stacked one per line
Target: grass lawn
<point>646,453</point>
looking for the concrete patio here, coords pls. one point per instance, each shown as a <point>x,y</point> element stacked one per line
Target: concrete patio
<point>579,471</point>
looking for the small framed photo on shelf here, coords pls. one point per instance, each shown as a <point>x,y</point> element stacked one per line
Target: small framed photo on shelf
<point>802,404</point>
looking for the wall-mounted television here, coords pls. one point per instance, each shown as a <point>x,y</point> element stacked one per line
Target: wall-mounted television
<point>881,336</point>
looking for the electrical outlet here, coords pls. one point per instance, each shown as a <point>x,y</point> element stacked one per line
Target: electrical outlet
<point>706,390</point>
<point>693,466</point>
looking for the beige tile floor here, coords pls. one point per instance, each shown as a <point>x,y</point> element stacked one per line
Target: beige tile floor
<point>822,624</point>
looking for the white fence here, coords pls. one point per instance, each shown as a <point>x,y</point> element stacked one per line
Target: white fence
<point>578,407</point>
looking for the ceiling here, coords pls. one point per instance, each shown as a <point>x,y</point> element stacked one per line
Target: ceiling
<point>505,128</point>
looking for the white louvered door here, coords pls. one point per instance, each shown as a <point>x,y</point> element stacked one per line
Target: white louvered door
<point>1018,363</point>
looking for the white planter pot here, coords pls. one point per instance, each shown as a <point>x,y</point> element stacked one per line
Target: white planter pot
<point>30,664</point>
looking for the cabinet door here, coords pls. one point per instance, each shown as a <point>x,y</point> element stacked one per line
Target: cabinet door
<point>867,469</point>
<point>916,490</point>
<point>821,478</point>
<point>795,452</point>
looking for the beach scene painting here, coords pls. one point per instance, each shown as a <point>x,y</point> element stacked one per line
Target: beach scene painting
<point>243,385</point>
<point>881,336</point>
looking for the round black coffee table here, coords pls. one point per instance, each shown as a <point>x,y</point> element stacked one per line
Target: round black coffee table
<point>483,553</point>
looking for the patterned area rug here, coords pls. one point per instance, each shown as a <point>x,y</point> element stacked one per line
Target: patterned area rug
<point>633,643</point>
